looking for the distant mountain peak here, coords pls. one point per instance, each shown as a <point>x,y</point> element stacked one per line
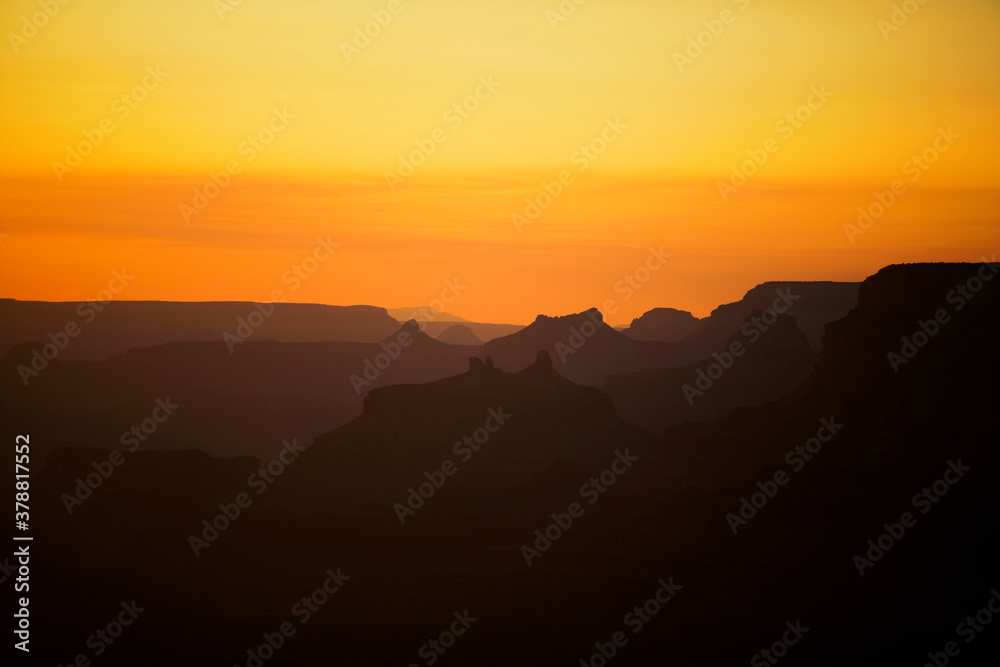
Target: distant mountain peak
<point>459,334</point>
<point>411,327</point>
<point>592,314</point>
<point>424,314</point>
<point>663,324</point>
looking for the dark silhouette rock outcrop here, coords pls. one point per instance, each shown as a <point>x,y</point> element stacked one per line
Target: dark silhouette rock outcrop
<point>663,324</point>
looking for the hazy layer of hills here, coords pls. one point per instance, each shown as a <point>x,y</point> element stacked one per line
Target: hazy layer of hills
<point>482,331</point>
<point>765,366</point>
<point>248,391</point>
<point>437,323</point>
<point>459,334</point>
<point>114,327</point>
<point>242,402</point>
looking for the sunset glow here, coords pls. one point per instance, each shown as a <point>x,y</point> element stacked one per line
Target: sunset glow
<point>206,147</point>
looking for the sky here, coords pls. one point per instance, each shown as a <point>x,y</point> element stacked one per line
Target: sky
<point>541,154</point>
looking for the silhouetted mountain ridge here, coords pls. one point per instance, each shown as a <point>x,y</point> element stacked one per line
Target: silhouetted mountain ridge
<point>664,324</point>
<point>406,430</point>
<point>111,328</point>
<point>586,350</point>
<point>241,402</point>
<point>770,364</point>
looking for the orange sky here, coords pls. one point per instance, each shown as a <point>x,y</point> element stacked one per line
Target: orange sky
<point>665,130</point>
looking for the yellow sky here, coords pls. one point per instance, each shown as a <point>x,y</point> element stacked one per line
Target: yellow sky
<point>344,125</point>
